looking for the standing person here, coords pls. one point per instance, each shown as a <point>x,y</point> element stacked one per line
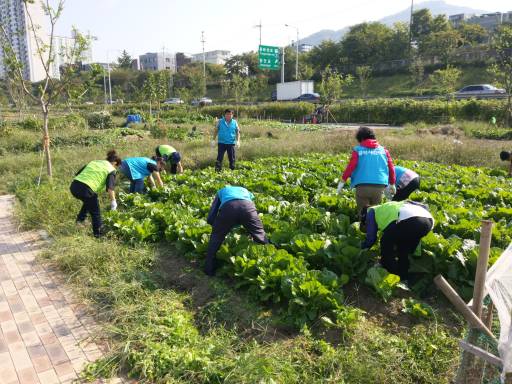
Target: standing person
<point>403,224</point>
<point>171,157</point>
<point>407,181</point>
<point>231,207</point>
<point>506,156</point>
<point>370,170</point>
<point>137,168</point>
<point>227,133</point>
<point>94,177</point>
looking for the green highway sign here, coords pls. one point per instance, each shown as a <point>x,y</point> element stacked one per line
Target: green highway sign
<point>269,57</point>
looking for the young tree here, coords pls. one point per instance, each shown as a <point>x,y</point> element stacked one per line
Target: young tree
<point>445,80</point>
<point>442,44</point>
<point>239,86</point>
<point>364,73</point>
<point>257,87</point>
<point>125,60</point>
<point>49,89</point>
<point>502,68</point>
<point>332,84</point>
<point>417,71</point>
<point>149,90</point>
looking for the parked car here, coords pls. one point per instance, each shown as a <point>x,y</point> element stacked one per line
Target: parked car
<point>312,97</point>
<point>479,90</point>
<point>202,101</point>
<point>173,100</point>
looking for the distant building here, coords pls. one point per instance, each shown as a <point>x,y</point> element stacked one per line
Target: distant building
<point>135,65</point>
<point>63,48</point>
<point>157,61</point>
<point>460,18</point>
<point>488,21</point>
<point>303,48</point>
<point>182,59</point>
<point>213,57</point>
<point>14,17</point>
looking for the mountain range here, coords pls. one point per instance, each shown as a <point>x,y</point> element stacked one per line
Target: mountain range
<point>437,7</point>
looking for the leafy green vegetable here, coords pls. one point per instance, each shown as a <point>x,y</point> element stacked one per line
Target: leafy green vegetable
<point>382,281</point>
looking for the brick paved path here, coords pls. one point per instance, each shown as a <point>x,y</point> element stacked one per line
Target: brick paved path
<point>44,336</point>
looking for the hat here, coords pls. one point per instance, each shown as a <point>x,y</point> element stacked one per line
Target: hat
<point>175,158</point>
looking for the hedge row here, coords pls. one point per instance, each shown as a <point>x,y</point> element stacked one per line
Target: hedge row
<point>378,111</point>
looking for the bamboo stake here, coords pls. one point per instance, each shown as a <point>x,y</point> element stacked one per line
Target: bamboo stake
<point>482,353</point>
<point>461,306</point>
<point>481,268</point>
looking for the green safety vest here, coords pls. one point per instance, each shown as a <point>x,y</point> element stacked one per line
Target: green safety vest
<point>166,150</point>
<point>386,213</point>
<point>94,175</point>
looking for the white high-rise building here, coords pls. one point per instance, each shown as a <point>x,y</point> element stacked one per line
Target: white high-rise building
<point>63,49</point>
<point>213,57</point>
<point>15,20</point>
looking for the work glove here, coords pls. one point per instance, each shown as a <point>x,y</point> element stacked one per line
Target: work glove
<point>238,144</point>
<point>113,205</point>
<point>341,184</point>
<point>390,191</point>
<point>212,143</point>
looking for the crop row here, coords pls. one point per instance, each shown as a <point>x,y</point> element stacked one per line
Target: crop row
<point>314,234</point>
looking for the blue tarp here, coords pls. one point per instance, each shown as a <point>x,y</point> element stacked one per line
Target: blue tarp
<point>133,119</point>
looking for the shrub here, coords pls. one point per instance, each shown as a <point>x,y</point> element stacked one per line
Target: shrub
<point>158,130</point>
<point>31,124</point>
<point>100,120</point>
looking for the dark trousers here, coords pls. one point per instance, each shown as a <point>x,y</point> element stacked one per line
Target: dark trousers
<point>174,168</point>
<point>230,149</point>
<point>405,192</point>
<point>232,214</point>
<point>137,186</point>
<point>90,205</point>
<point>399,241</point>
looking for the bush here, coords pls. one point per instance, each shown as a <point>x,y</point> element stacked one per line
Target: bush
<point>380,111</point>
<point>100,120</point>
<point>68,121</point>
<point>158,130</point>
<point>31,124</point>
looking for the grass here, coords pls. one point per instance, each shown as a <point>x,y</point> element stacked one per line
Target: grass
<point>167,323</point>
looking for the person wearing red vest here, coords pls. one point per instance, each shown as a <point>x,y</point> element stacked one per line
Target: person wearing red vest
<point>403,224</point>
<point>370,170</point>
<point>96,176</point>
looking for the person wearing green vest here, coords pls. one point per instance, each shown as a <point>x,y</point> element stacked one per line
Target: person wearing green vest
<point>96,176</point>
<point>403,224</point>
<point>171,156</point>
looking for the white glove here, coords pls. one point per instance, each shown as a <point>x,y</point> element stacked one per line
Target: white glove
<point>390,191</point>
<point>238,144</point>
<point>341,184</point>
<point>212,143</point>
<point>113,205</point>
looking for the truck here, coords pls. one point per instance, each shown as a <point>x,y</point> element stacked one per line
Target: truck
<point>293,89</point>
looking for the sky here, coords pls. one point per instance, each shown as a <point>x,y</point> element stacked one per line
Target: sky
<point>175,25</point>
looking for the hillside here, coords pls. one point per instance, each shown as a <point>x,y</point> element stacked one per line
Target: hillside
<point>437,7</point>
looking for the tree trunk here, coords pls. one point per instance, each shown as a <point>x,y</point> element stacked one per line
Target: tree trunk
<point>46,144</point>
<point>150,114</point>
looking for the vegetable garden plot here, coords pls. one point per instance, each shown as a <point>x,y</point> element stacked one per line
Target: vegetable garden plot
<point>315,236</point>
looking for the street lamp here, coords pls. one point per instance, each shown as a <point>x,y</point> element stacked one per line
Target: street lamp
<point>108,70</point>
<point>296,51</point>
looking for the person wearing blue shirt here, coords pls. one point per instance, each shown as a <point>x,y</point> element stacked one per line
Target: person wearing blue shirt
<point>136,169</point>
<point>227,133</point>
<point>231,207</point>
<point>407,181</point>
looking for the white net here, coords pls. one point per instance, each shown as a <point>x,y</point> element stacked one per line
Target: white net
<point>499,287</point>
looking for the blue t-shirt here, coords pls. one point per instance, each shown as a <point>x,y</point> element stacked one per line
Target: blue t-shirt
<point>372,166</point>
<point>140,167</point>
<point>227,132</point>
<point>234,193</point>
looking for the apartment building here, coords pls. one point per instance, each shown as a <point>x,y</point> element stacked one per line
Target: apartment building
<point>213,57</point>
<point>157,61</point>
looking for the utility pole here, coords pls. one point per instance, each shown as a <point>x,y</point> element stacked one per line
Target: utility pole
<point>282,65</point>
<point>410,25</point>
<point>260,26</point>
<point>109,83</point>
<point>204,56</point>
<point>296,51</point>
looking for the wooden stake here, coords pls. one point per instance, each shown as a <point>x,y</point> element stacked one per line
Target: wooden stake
<point>482,353</point>
<point>461,306</point>
<point>481,268</point>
